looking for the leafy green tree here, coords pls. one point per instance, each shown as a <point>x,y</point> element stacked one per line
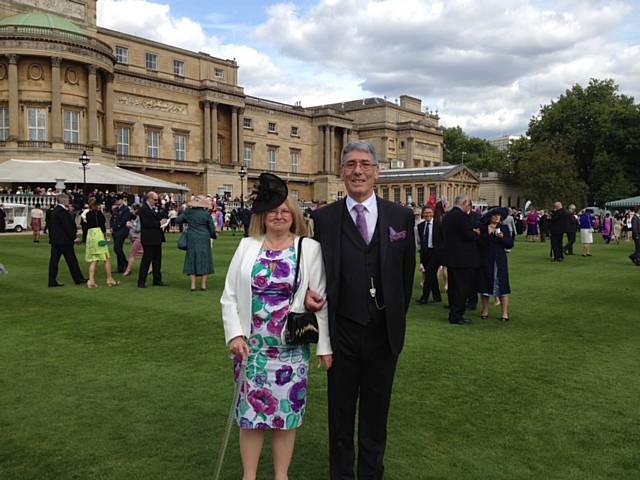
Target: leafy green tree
<point>476,152</point>
<point>594,124</point>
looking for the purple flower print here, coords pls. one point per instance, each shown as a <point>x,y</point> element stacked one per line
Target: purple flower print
<point>260,281</point>
<point>282,269</point>
<point>302,370</point>
<point>256,321</point>
<point>261,426</point>
<point>272,352</point>
<point>277,422</point>
<point>245,423</point>
<point>274,299</point>
<point>283,375</point>
<point>272,253</point>
<point>297,394</point>
<point>262,401</point>
<point>260,378</point>
<point>279,314</point>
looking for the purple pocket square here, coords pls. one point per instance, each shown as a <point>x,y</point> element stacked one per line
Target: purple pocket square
<point>393,235</point>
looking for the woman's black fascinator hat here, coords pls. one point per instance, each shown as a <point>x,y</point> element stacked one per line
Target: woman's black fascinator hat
<point>268,193</point>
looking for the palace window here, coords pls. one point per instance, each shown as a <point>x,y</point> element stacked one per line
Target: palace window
<point>218,72</point>
<point>153,144</point>
<point>248,155</point>
<point>247,123</point>
<point>295,157</point>
<point>151,61</point>
<point>385,193</point>
<point>178,68</point>
<point>4,123</point>
<point>420,196</point>
<point>271,159</point>
<point>218,149</point>
<point>181,147</point>
<point>396,194</point>
<point>295,195</point>
<point>123,136</point>
<point>122,55</point>
<point>408,192</point>
<point>71,126</point>
<point>37,124</point>
<point>295,132</point>
<point>272,127</point>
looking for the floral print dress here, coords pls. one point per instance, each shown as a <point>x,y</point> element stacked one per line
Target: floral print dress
<point>274,391</point>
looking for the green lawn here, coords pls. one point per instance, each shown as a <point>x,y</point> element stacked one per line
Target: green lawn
<point>122,383</point>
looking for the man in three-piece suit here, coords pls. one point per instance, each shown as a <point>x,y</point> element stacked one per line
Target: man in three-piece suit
<point>152,238</point>
<point>428,231</point>
<point>369,254</point>
<point>460,257</point>
<point>119,230</point>
<point>62,236</point>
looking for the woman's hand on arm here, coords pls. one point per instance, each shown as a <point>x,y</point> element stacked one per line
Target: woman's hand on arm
<point>238,346</point>
<point>325,361</point>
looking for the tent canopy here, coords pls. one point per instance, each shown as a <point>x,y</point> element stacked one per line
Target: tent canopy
<point>48,171</point>
<point>624,203</point>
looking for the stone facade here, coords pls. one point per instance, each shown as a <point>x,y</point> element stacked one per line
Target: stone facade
<point>499,189</point>
<point>180,115</point>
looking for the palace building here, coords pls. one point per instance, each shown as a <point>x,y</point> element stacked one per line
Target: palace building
<point>68,85</point>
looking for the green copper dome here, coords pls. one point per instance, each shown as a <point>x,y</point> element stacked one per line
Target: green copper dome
<point>43,20</point>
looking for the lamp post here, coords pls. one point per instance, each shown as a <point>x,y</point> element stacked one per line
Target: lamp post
<point>84,161</point>
<point>242,173</point>
<point>462,154</point>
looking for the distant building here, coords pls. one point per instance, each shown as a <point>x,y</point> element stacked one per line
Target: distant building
<point>502,143</point>
<point>499,189</point>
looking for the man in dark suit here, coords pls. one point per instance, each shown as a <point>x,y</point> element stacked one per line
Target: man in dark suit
<point>369,254</point>
<point>558,223</point>
<point>152,238</point>
<point>119,230</point>
<point>427,233</point>
<point>460,257</point>
<point>635,234</point>
<point>3,221</point>
<point>62,236</point>
<point>472,299</point>
<point>572,228</point>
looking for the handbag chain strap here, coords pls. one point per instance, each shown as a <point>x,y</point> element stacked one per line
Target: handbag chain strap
<point>295,279</point>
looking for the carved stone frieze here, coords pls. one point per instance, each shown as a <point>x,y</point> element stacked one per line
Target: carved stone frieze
<point>148,103</point>
<point>23,44</point>
<point>65,8</point>
<point>35,72</point>
<point>71,76</point>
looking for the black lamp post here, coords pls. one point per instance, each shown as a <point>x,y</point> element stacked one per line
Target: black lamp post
<point>242,173</point>
<point>84,161</point>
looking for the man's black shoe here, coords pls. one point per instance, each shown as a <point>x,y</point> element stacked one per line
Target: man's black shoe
<point>142,285</point>
<point>82,281</point>
<point>51,285</point>
<point>439,300</point>
<point>462,321</point>
<point>421,301</point>
<point>160,284</point>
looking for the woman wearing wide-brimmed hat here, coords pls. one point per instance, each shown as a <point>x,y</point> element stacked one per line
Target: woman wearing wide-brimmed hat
<point>258,294</point>
<point>495,239</point>
<point>198,260</point>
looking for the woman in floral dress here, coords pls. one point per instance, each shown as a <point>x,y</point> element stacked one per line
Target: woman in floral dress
<point>272,374</point>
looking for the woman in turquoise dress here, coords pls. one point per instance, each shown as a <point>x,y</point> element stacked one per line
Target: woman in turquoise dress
<point>198,260</point>
<point>271,375</point>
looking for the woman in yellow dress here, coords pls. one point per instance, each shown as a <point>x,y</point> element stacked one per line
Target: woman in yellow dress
<point>97,249</point>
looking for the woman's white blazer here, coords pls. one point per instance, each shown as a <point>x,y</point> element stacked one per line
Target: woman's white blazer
<point>236,297</point>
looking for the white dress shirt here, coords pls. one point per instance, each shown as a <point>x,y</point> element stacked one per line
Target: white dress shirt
<point>370,212</point>
<point>430,239</point>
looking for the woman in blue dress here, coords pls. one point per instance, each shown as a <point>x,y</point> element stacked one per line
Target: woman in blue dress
<point>272,375</point>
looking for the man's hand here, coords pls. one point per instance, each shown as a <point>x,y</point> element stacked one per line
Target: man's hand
<point>325,361</point>
<point>476,231</point>
<point>238,346</point>
<point>313,301</point>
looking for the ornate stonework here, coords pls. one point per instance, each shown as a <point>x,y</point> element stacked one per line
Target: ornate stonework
<point>3,71</point>
<point>71,76</point>
<point>65,8</point>
<point>35,72</point>
<point>148,103</point>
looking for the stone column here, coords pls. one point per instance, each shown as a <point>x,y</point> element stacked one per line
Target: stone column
<point>206,154</point>
<point>214,132</point>
<point>327,149</point>
<point>332,142</point>
<point>345,137</point>
<point>234,135</point>
<point>56,101</point>
<point>409,152</point>
<point>92,122</point>
<point>14,114</point>
<point>382,154</point>
<point>109,133</point>
<point>241,135</point>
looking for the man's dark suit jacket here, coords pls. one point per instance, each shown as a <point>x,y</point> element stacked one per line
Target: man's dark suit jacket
<point>559,222</point>
<point>435,235</point>
<point>397,260</point>
<point>635,226</point>
<point>62,227</point>
<point>150,231</point>
<point>119,220</point>
<point>460,249</point>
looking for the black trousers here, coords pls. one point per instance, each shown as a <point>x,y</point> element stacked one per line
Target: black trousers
<point>571,239</point>
<point>636,254</point>
<point>152,256</point>
<point>118,248</point>
<point>362,374</point>
<point>461,281</point>
<point>72,262</point>
<point>556,246</point>
<point>430,262</point>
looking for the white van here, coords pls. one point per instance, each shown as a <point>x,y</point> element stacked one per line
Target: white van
<point>17,215</point>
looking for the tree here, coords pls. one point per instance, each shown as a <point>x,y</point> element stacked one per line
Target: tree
<point>476,152</point>
<point>593,124</point>
<point>547,174</point>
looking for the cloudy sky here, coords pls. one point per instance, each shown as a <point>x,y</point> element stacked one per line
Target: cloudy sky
<point>486,65</point>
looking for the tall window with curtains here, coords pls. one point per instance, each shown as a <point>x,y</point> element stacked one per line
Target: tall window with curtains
<point>71,126</point>
<point>123,135</point>
<point>295,157</point>
<point>153,144</point>
<point>37,124</point>
<point>4,123</point>
<point>181,147</point>
<point>271,159</point>
<point>248,155</point>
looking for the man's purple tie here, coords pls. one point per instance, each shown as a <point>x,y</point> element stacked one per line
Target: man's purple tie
<point>361,222</point>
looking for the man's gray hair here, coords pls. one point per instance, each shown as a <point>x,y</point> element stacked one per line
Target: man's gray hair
<point>151,194</point>
<point>358,146</point>
<point>460,198</point>
<point>62,198</point>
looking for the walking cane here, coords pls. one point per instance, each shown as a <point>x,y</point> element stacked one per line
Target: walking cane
<point>227,430</point>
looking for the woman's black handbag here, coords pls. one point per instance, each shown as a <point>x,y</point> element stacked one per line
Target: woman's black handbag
<point>301,328</point>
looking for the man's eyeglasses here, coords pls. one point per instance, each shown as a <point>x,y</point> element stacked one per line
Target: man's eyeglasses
<point>364,166</point>
<point>283,213</point>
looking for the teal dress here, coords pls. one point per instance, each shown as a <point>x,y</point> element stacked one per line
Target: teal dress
<point>200,228</point>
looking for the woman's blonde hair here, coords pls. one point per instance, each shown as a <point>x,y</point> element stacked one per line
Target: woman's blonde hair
<point>93,204</point>
<point>257,227</point>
